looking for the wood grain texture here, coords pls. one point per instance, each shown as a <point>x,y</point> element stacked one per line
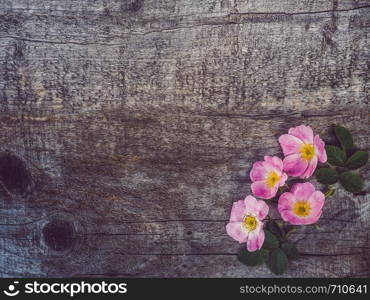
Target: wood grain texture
<point>128,128</point>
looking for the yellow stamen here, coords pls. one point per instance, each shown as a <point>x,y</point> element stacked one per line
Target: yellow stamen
<point>302,208</point>
<point>307,151</point>
<point>250,223</point>
<point>272,179</point>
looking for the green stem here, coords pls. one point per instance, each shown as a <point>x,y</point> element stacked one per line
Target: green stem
<point>290,232</point>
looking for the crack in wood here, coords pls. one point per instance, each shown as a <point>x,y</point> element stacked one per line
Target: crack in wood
<point>209,23</point>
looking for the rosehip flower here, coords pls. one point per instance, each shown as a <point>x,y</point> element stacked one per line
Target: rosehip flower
<point>302,205</point>
<point>302,151</point>
<point>267,177</point>
<point>246,224</point>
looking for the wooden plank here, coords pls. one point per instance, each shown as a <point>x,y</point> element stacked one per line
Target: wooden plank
<point>129,128</point>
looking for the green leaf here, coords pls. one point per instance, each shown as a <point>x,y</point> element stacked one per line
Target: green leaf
<point>351,182</point>
<point>327,175</point>
<point>290,250</point>
<point>271,241</point>
<point>336,156</point>
<point>252,258</point>
<point>357,160</point>
<point>344,137</point>
<point>277,261</point>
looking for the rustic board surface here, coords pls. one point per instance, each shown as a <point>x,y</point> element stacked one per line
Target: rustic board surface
<point>128,128</point>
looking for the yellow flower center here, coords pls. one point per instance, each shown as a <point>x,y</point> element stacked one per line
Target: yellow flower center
<point>302,208</point>
<point>249,223</point>
<point>272,179</point>
<point>307,151</point>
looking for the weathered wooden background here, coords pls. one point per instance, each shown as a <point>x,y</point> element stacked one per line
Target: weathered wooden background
<point>128,128</point>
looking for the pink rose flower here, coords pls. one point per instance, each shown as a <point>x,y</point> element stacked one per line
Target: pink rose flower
<point>302,151</point>
<point>246,224</point>
<point>302,205</point>
<point>267,176</point>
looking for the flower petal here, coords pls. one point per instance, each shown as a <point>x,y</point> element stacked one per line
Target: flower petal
<point>294,165</point>
<point>295,220</point>
<point>283,179</point>
<point>261,190</point>
<point>311,168</point>
<point>251,204</point>
<point>302,132</point>
<point>256,207</point>
<point>235,230</point>
<point>258,172</point>
<point>319,145</point>
<point>316,200</point>
<point>237,211</point>
<point>269,167</point>
<point>311,219</point>
<point>263,210</point>
<point>275,162</point>
<point>261,238</point>
<point>302,191</point>
<point>255,240</point>
<point>286,202</point>
<point>285,205</point>
<point>290,144</point>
